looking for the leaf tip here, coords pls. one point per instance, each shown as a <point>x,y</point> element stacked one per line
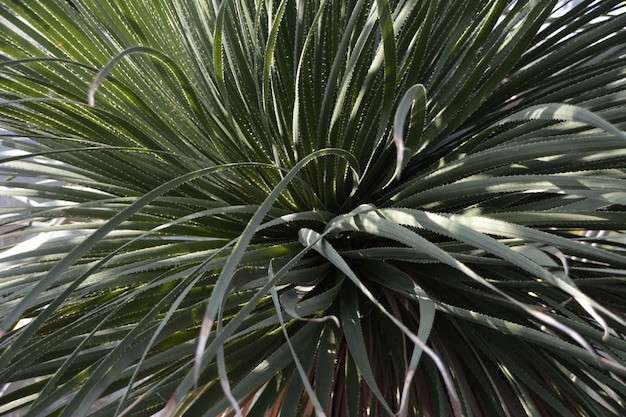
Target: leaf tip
<point>205,331</point>
<point>95,84</point>
<point>400,149</point>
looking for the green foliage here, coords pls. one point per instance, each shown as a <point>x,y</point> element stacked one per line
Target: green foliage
<point>313,207</point>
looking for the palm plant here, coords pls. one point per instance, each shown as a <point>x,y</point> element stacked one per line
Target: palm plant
<point>313,207</point>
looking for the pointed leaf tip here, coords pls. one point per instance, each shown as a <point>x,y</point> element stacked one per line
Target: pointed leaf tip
<point>225,383</point>
<point>95,84</point>
<point>205,332</point>
<point>414,98</point>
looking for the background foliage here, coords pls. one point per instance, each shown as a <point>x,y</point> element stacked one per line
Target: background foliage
<point>302,207</point>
